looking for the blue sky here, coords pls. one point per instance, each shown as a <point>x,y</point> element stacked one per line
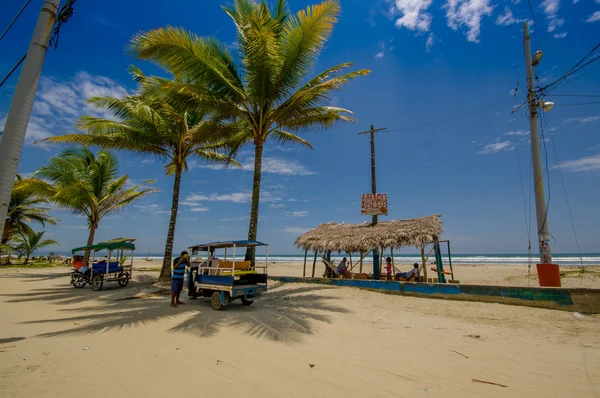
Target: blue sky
<point>430,61</point>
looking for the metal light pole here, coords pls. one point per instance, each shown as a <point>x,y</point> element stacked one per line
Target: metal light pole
<point>376,270</point>
<point>22,102</point>
<point>538,177</point>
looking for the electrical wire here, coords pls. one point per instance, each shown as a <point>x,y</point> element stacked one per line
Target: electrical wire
<point>444,120</point>
<point>566,194</point>
<point>65,13</point>
<point>534,24</point>
<point>15,19</point>
<point>575,95</point>
<point>574,69</point>
<point>13,69</point>
<point>579,104</point>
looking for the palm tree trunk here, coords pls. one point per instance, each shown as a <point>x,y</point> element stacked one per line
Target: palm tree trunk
<point>252,230</point>
<point>90,241</point>
<point>27,259</point>
<point>165,272</point>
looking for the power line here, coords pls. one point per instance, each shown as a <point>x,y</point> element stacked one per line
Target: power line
<point>575,68</point>
<point>15,19</point>
<point>575,95</point>
<point>445,120</point>
<point>578,104</point>
<point>564,189</point>
<point>13,69</point>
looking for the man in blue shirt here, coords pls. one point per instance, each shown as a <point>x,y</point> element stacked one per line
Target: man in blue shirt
<point>179,265</point>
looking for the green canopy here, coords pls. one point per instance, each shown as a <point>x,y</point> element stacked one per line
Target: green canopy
<point>108,245</point>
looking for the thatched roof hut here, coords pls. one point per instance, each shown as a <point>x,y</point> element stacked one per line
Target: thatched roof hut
<point>353,238</point>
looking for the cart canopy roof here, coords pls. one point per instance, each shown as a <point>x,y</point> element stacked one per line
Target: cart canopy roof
<point>229,243</point>
<point>113,244</point>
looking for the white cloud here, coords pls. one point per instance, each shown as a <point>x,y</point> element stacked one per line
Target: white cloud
<point>507,18</point>
<point>413,15</point>
<point>242,218</point>
<point>295,230</point>
<point>276,206</point>
<point>595,16</point>
<point>379,55</point>
<point>280,166</point>
<point>467,13</point>
<point>550,8</point>
<point>152,208</point>
<point>198,209</point>
<point>583,120</point>
<point>555,24</point>
<point>429,42</point>
<point>59,103</point>
<point>588,163</point>
<point>270,165</point>
<point>235,197</point>
<point>497,147</point>
<point>296,213</point>
<point>517,133</point>
<point>147,161</point>
<point>560,35</point>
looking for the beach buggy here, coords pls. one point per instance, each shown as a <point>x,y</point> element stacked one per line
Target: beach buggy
<point>115,267</point>
<point>224,280</point>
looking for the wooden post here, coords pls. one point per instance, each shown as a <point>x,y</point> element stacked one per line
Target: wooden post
<point>315,263</point>
<point>350,255</point>
<point>450,259</point>
<point>381,260</point>
<point>424,263</point>
<point>361,262</point>
<point>304,271</point>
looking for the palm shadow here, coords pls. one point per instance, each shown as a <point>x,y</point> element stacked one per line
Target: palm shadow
<point>284,314</point>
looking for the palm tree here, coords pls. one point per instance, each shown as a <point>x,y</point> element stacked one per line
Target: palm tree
<point>270,89</point>
<point>30,241</point>
<point>24,207</point>
<point>150,125</point>
<point>85,183</point>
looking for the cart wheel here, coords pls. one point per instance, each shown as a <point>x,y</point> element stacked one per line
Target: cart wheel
<point>97,282</point>
<point>78,282</point>
<point>123,282</point>
<point>215,301</point>
<point>246,302</point>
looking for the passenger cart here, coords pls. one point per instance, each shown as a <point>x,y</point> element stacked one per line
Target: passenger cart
<point>224,280</point>
<point>112,268</point>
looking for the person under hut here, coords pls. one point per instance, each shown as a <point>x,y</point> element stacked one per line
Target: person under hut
<point>342,267</point>
<point>410,276</point>
<point>388,268</point>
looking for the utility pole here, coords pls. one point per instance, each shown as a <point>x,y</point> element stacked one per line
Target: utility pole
<point>22,102</point>
<point>376,270</point>
<point>538,177</point>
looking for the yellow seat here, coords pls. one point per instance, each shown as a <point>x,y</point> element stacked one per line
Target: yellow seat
<point>238,273</point>
<point>239,265</point>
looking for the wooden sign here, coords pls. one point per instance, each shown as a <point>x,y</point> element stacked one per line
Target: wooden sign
<point>374,204</point>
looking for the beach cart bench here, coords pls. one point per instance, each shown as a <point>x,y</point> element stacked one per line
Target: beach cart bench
<point>223,280</point>
<point>104,271</point>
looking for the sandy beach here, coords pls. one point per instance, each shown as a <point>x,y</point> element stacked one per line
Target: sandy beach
<point>475,274</point>
<point>299,340</point>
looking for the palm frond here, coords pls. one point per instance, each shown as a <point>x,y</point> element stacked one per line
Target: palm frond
<point>284,137</point>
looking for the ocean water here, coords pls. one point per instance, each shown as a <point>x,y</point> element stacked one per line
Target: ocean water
<point>558,258</point>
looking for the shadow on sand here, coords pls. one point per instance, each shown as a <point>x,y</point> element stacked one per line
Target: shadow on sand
<point>284,314</point>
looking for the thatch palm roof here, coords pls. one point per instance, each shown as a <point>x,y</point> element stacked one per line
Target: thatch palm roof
<point>353,238</point>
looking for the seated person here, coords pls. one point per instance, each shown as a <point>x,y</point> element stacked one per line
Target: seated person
<point>342,267</point>
<point>79,265</point>
<point>413,273</point>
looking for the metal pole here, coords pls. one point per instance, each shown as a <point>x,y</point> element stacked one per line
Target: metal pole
<point>372,131</point>
<point>538,177</point>
<point>22,102</point>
